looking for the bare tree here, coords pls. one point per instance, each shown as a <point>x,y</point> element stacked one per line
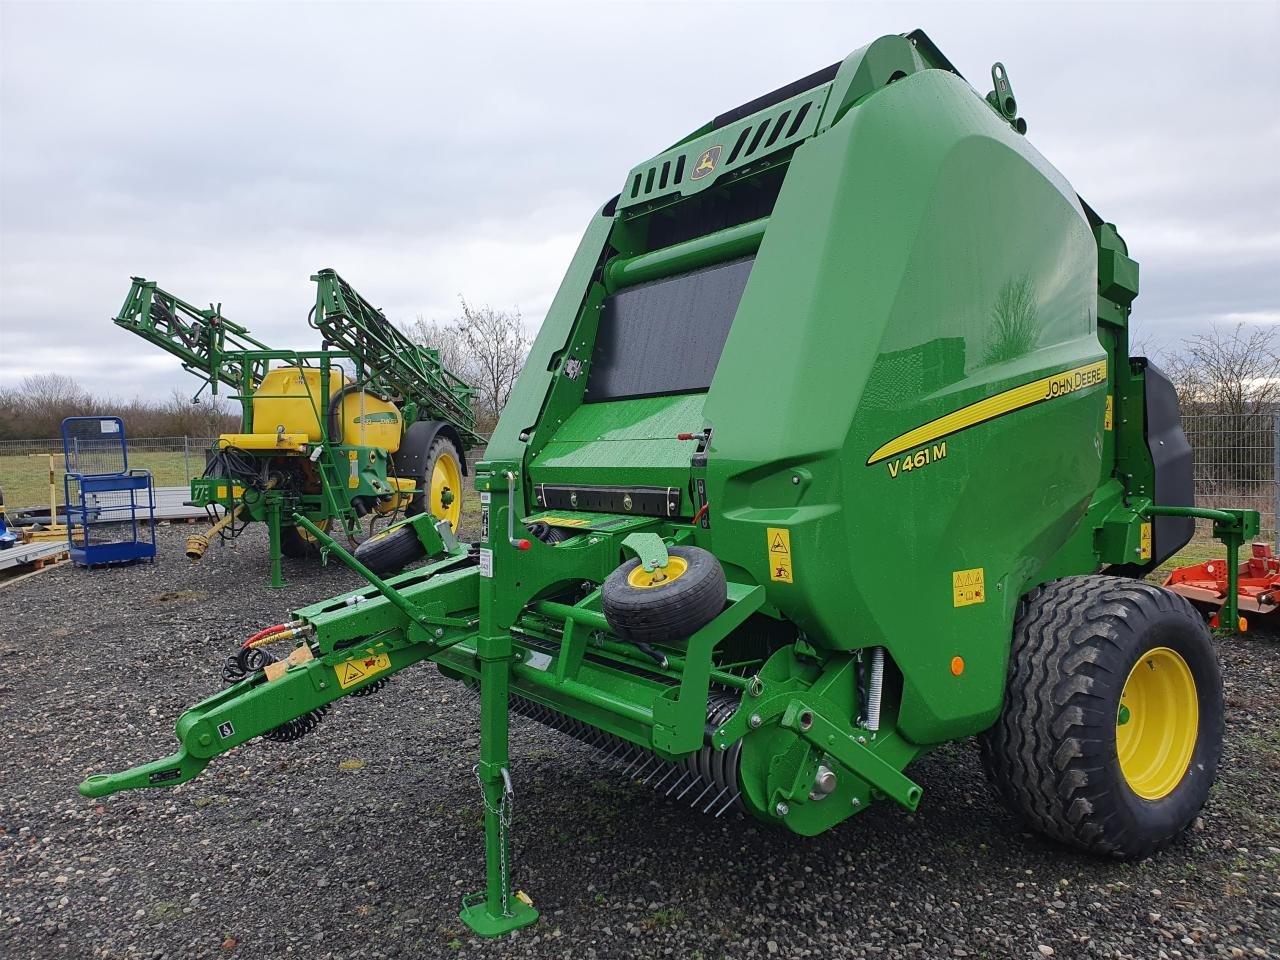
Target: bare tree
<point>445,337</point>
<point>485,347</point>
<point>1228,384</point>
<point>496,349</point>
<point>1228,371</point>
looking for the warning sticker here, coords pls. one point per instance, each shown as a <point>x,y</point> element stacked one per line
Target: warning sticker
<point>484,523</point>
<point>353,671</point>
<point>565,521</point>
<point>486,562</point>
<point>779,553</point>
<point>968,587</point>
<point>1144,541</point>
<point>1109,419</point>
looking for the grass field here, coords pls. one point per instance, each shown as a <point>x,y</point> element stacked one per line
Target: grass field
<point>26,484</point>
<point>25,480</point>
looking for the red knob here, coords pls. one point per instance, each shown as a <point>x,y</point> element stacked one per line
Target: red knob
<point>522,544</point>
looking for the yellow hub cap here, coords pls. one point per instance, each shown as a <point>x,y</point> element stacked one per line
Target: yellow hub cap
<point>446,490</point>
<point>1157,723</point>
<point>643,579</point>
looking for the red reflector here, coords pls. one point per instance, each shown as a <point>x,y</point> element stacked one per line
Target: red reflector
<point>686,436</point>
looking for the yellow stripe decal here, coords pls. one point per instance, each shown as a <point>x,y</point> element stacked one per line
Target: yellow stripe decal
<point>1047,388</point>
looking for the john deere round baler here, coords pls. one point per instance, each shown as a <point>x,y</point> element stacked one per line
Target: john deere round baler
<point>829,450</point>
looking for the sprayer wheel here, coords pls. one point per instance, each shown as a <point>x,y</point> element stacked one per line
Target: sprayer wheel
<point>297,544</point>
<point>665,604</point>
<point>391,550</point>
<point>1112,726</point>
<point>441,483</point>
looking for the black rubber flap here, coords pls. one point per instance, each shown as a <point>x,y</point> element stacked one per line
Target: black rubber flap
<point>666,336</point>
<point>1172,459</point>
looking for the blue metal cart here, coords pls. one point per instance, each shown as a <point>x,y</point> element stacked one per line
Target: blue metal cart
<point>110,508</point>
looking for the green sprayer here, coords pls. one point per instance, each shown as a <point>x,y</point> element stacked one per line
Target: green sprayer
<point>829,450</point>
<point>372,425</point>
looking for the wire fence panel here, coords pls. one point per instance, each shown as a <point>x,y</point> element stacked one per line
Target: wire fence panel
<point>24,465</point>
<point>1235,464</point>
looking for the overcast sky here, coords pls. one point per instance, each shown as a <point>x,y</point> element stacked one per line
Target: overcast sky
<point>228,150</point>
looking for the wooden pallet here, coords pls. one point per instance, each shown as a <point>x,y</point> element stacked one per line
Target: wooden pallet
<point>26,560</point>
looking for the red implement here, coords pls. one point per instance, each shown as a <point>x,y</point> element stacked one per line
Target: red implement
<point>1259,584</point>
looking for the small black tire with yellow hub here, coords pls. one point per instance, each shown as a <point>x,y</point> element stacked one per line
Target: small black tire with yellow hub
<point>391,550</point>
<point>668,603</point>
<point>1112,726</point>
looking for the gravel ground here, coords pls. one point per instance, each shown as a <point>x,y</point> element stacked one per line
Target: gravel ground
<point>359,840</point>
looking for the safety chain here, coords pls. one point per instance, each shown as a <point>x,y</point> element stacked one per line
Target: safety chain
<point>503,812</point>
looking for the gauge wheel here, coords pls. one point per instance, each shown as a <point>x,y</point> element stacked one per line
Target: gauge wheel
<point>668,603</point>
<point>391,550</point>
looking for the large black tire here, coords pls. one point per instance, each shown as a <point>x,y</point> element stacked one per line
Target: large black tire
<point>296,545</point>
<point>391,551</point>
<point>441,447</point>
<point>1055,756</point>
<point>670,609</point>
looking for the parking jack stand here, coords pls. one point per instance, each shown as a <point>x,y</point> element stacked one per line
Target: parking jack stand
<point>498,909</point>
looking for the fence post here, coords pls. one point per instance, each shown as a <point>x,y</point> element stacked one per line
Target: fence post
<point>1275,480</point>
<point>186,458</point>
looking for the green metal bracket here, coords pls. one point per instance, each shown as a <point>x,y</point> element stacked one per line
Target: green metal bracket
<point>679,723</point>
<point>273,532</point>
<point>852,752</point>
<point>168,772</point>
<point>394,597</point>
<point>259,704</point>
<point>1231,526</point>
<point>648,547</point>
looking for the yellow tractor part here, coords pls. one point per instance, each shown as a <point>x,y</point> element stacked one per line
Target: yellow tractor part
<point>444,496</point>
<point>280,442</point>
<point>400,499</point>
<point>1157,723</point>
<point>660,576</point>
<point>198,543</point>
<point>289,398</point>
<point>368,421</point>
<point>288,410</point>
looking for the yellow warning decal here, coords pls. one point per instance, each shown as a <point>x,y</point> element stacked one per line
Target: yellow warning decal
<point>353,481</point>
<point>351,672</point>
<point>779,554</point>
<point>564,521</point>
<point>1037,391</point>
<point>1144,541</point>
<point>968,587</point>
<point>1111,413</point>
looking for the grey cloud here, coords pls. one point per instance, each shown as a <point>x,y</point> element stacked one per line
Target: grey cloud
<point>228,150</point>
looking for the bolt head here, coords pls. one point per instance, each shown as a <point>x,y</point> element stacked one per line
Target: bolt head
<point>754,721</point>
<point>781,809</point>
<point>856,802</point>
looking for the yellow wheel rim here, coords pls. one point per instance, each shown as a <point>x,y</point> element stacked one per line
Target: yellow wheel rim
<point>1157,723</point>
<point>643,579</point>
<point>310,537</point>
<point>445,501</point>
